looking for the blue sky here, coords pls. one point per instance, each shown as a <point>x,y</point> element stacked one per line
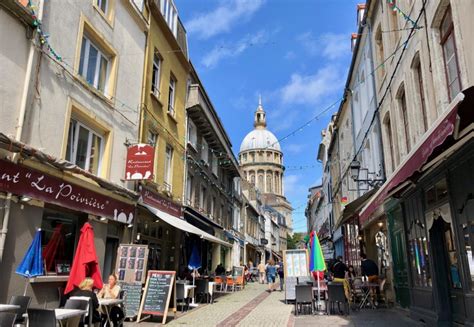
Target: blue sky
<point>295,53</point>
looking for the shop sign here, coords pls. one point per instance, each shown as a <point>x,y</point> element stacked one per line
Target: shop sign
<point>140,162</point>
<point>159,202</point>
<point>22,180</point>
<point>263,241</point>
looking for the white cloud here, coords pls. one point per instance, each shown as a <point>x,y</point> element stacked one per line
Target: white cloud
<point>329,45</point>
<point>222,18</point>
<point>311,89</point>
<point>221,52</point>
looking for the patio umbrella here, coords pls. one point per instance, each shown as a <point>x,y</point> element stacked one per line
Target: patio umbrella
<point>194,264</point>
<point>32,263</point>
<point>55,245</point>
<point>85,263</point>
<point>316,259</point>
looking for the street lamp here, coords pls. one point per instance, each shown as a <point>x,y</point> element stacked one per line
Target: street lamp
<point>355,169</point>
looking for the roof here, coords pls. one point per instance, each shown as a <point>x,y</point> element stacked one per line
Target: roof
<point>260,139</point>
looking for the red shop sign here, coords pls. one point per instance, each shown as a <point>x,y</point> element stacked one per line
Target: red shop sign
<point>140,162</point>
<point>157,201</point>
<point>22,180</point>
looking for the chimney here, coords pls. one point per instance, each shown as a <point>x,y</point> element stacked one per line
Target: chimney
<point>360,13</point>
<point>353,40</point>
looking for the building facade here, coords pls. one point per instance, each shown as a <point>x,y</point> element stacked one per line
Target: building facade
<point>73,103</point>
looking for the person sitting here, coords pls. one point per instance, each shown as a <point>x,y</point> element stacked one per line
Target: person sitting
<point>220,270</point>
<point>111,291</point>
<point>86,290</point>
<point>339,270</point>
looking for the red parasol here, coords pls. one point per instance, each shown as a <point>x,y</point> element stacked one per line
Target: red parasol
<point>85,262</point>
<point>55,244</point>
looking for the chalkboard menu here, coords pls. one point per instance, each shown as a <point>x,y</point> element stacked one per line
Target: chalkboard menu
<point>133,294</point>
<point>156,297</point>
<point>237,271</point>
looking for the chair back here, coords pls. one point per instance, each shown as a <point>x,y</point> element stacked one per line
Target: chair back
<point>180,290</point>
<point>41,318</point>
<point>239,280</point>
<point>89,306</point>
<point>229,281</point>
<point>23,302</point>
<point>76,304</point>
<point>7,319</point>
<point>202,286</point>
<point>303,293</point>
<point>218,280</point>
<point>336,292</point>
<point>121,295</point>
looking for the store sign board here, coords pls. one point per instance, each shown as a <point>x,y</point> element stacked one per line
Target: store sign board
<point>140,162</point>
<point>159,202</point>
<point>263,241</point>
<point>22,180</point>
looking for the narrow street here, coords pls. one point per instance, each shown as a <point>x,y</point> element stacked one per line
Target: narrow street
<point>255,307</point>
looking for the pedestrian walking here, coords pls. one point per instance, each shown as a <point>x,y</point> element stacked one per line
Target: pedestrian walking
<point>271,272</point>
<point>261,272</point>
<point>281,275</point>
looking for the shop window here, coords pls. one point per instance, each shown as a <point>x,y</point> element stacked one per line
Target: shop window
<point>454,271</point>
<point>437,193</point>
<point>60,233</point>
<point>85,147</point>
<point>419,259</point>
<point>468,240</point>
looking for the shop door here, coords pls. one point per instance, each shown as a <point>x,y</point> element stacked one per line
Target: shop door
<point>447,273</point>
<point>399,257</point>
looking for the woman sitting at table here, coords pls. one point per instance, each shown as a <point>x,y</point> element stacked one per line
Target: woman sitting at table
<point>111,291</point>
<point>85,290</point>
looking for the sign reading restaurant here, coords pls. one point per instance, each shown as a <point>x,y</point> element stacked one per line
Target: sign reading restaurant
<point>157,201</point>
<point>140,162</point>
<point>22,180</point>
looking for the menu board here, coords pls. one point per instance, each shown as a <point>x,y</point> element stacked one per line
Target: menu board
<point>133,294</point>
<point>156,297</point>
<point>237,271</point>
<point>132,261</point>
<point>296,263</point>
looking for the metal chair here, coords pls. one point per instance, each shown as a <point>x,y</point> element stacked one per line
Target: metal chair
<point>7,319</point>
<point>24,303</point>
<point>202,288</point>
<point>79,305</point>
<point>41,318</point>
<point>90,309</point>
<point>220,284</point>
<point>337,295</point>
<point>304,296</point>
<point>230,283</point>
<point>181,297</point>
<point>239,282</point>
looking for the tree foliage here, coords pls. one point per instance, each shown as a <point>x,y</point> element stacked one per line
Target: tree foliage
<point>294,241</point>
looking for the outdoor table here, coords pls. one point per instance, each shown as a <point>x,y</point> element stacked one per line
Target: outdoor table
<point>63,314</point>
<point>366,287</point>
<point>8,307</point>
<point>107,304</point>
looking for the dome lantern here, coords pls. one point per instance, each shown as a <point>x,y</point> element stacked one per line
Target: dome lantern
<point>260,121</point>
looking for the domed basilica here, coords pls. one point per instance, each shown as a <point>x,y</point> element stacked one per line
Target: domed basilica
<point>261,161</point>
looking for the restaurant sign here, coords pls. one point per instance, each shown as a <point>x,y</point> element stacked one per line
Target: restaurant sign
<point>140,162</point>
<point>159,202</point>
<point>22,180</point>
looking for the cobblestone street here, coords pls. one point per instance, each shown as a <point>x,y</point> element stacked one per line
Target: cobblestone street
<point>255,307</point>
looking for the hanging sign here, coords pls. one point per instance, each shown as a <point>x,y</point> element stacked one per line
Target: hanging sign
<point>22,180</point>
<point>140,162</point>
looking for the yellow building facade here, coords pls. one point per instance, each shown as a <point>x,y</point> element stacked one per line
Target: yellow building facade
<point>163,114</point>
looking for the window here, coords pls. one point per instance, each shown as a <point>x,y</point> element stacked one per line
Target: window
<point>85,147</point>
<point>103,5</point>
<point>139,4</point>
<point>451,65</point>
<point>421,92</point>
<point>202,197</point>
<point>380,52</point>
<point>155,79</point>
<point>170,13</point>
<point>189,189</point>
<point>152,138</point>
<point>168,167</point>
<point>419,258</point>
<point>213,204</point>
<point>404,115</point>
<point>192,134</point>
<point>388,129</point>
<point>205,151</point>
<point>393,13</point>
<point>171,95</point>
<point>215,165</point>
<point>94,65</point>
<point>58,237</point>
<point>269,183</point>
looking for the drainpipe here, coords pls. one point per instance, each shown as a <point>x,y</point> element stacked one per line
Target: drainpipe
<point>19,130</point>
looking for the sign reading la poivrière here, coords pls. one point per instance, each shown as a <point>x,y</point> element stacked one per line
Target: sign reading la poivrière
<point>22,180</point>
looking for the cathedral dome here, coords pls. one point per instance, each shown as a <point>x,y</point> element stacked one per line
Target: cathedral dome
<point>259,139</point>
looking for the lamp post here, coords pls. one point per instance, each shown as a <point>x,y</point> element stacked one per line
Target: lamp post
<point>355,168</point>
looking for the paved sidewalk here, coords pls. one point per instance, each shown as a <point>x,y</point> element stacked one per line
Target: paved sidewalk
<point>254,307</point>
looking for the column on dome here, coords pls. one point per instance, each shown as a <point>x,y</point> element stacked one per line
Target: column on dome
<point>260,180</point>
<point>275,178</point>
<point>269,181</point>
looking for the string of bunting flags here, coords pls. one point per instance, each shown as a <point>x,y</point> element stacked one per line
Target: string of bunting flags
<point>392,4</point>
